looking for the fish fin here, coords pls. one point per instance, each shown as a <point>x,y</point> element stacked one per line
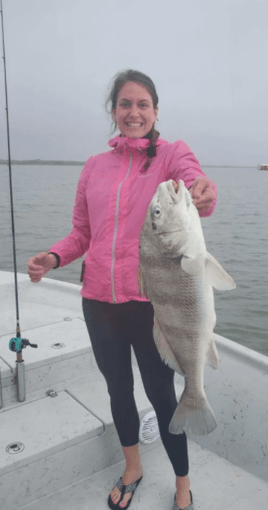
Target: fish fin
<point>140,283</point>
<point>194,265</point>
<point>217,276</point>
<point>164,350</point>
<point>200,421</point>
<point>212,355</point>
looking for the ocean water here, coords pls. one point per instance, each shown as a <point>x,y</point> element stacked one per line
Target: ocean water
<point>236,234</point>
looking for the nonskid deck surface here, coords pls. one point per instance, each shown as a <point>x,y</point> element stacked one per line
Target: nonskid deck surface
<point>74,467</point>
<point>47,302</point>
<point>50,316</point>
<point>216,484</point>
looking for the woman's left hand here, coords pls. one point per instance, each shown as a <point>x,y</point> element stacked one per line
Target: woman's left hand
<point>202,194</point>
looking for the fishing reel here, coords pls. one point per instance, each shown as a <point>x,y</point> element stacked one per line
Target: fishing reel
<point>17,344</point>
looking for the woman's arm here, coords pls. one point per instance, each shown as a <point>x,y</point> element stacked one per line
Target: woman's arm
<point>76,243</point>
<point>71,247</point>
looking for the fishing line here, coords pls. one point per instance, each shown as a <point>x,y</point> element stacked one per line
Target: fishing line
<point>10,184</point>
<point>16,344</point>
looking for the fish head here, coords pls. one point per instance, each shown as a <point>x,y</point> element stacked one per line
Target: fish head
<point>175,221</point>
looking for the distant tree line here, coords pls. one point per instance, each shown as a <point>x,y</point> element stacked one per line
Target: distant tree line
<point>41,162</point>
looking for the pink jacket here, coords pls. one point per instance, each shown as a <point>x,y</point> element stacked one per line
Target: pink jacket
<point>112,198</point>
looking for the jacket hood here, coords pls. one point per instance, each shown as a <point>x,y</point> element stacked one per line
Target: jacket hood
<point>124,142</point>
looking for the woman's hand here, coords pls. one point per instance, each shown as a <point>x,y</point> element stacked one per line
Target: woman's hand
<point>39,265</point>
<point>202,194</point>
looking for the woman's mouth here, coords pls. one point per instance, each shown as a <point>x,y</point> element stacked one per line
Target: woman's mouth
<point>134,124</point>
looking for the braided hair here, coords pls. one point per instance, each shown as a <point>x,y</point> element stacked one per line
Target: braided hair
<point>151,151</point>
<point>118,81</point>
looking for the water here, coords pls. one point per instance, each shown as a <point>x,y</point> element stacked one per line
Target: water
<point>236,235</point>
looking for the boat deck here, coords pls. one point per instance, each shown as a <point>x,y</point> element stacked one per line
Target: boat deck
<point>72,457</point>
<point>216,484</point>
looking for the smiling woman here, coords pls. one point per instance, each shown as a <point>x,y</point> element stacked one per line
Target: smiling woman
<point>135,93</point>
<point>134,113</point>
<point>110,207</point>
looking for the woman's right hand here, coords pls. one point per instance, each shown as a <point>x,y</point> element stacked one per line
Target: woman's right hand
<point>39,265</point>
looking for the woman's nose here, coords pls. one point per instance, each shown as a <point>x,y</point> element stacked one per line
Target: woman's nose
<point>134,111</point>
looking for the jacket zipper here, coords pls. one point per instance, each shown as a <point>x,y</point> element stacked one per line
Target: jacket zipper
<point>116,227</point>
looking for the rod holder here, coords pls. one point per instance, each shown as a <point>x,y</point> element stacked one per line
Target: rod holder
<point>20,380</point>
<point>16,345</point>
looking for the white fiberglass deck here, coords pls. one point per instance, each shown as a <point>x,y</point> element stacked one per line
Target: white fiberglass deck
<point>215,483</point>
<point>72,456</point>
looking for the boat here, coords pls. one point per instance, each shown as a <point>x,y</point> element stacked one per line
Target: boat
<point>263,166</point>
<point>59,447</point>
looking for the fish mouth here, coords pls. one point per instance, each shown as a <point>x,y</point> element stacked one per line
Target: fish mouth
<point>174,189</point>
<point>177,191</point>
<point>176,186</point>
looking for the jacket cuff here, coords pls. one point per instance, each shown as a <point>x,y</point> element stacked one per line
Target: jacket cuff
<point>57,257</point>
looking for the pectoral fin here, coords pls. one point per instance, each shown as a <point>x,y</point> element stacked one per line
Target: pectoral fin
<point>193,266</point>
<point>217,276</point>
<point>164,350</point>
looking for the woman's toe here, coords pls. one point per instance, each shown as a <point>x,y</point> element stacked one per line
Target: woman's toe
<point>115,495</point>
<point>124,502</point>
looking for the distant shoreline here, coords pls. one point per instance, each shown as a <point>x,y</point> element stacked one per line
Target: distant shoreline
<point>81,163</point>
<point>226,166</point>
<point>41,162</point>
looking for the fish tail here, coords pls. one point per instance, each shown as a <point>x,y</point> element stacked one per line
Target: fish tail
<point>199,421</point>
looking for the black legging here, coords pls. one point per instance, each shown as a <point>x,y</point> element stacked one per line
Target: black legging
<point>113,328</point>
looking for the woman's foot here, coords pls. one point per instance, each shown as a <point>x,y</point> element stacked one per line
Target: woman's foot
<point>129,476</point>
<point>183,498</point>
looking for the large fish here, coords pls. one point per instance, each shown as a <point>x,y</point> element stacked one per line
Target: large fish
<point>177,275</point>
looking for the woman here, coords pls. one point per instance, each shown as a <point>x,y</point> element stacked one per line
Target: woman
<point>113,195</point>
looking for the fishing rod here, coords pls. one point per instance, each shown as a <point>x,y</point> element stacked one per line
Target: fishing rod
<point>16,344</point>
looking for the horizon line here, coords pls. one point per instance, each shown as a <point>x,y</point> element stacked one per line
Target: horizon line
<point>78,163</point>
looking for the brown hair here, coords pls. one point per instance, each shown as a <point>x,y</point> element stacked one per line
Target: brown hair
<point>118,81</point>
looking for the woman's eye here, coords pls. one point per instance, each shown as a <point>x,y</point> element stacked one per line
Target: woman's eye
<point>143,105</point>
<point>125,104</point>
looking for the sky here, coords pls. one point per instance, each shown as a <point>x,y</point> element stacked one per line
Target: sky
<point>207,58</point>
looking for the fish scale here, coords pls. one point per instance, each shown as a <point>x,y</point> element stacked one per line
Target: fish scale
<point>177,274</point>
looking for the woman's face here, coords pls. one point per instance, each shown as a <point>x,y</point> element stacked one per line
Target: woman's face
<point>134,112</point>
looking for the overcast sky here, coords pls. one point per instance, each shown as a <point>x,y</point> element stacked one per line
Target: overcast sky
<point>208,59</point>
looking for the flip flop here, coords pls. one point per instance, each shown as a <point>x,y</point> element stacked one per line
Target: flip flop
<point>124,490</point>
<point>189,507</point>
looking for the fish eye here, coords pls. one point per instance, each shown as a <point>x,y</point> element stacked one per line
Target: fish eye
<point>157,212</point>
